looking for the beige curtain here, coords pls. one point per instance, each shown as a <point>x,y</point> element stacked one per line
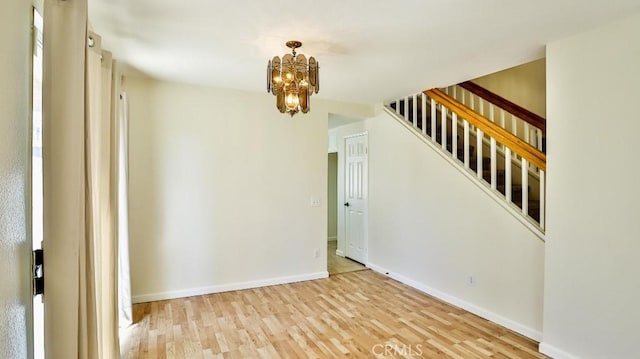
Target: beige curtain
<point>80,185</point>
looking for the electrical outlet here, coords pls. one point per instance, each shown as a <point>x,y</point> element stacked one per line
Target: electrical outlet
<point>315,202</point>
<point>316,253</point>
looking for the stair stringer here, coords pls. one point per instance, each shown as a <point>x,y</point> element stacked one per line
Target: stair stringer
<point>470,175</point>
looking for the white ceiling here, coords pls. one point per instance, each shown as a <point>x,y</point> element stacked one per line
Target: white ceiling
<point>369,51</point>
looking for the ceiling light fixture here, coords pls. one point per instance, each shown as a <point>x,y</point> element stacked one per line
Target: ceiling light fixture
<point>293,80</point>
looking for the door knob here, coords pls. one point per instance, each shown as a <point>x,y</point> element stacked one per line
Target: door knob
<point>346,204</point>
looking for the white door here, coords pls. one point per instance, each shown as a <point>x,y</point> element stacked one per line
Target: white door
<point>16,309</point>
<point>356,196</point>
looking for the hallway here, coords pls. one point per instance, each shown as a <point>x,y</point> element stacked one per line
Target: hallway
<point>337,264</point>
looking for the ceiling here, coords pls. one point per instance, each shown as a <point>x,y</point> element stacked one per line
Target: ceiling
<point>369,51</point>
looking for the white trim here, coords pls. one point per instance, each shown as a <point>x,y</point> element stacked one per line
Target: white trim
<point>339,253</point>
<point>486,314</point>
<point>554,352</point>
<point>357,135</point>
<point>472,176</point>
<point>142,298</point>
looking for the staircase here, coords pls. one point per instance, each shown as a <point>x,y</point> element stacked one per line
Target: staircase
<point>497,143</point>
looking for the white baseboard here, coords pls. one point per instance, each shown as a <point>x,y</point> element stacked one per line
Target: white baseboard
<point>332,239</point>
<point>498,319</point>
<point>339,253</point>
<point>142,298</point>
<point>554,352</point>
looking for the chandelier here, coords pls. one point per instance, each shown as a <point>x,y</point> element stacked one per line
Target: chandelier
<point>293,80</point>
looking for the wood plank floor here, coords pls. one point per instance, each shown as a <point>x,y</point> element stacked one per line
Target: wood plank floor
<point>359,314</point>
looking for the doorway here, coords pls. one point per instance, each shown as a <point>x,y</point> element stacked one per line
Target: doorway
<point>335,263</point>
<point>356,196</point>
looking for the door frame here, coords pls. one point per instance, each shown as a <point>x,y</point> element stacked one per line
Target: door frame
<point>342,178</point>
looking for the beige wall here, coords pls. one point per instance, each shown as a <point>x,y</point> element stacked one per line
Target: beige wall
<point>432,227</point>
<point>221,184</point>
<point>524,85</point>
<point>15,248</point>
<point>332,194</point>
<point>592,254</point>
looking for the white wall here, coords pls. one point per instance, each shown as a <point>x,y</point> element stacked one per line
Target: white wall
<point>220,189</point>
<point>15,248</point>
<point>432,227</point>
<point>524,85</point>
<point>593,232</point>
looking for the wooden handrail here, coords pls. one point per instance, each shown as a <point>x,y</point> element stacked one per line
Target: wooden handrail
<point>530,153</point>
<point>520,112</point>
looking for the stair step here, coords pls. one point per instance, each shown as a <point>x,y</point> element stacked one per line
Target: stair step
<point>533,208</point>
<point>439,137</point>
<point>516,190</point>
<point>500,178</point>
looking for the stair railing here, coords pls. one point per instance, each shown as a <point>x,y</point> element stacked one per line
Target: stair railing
<point>439,118</point>
<point>523,123</point>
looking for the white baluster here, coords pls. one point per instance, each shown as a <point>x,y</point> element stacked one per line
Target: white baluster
<point>539,139</point>
<point>454,135</point>
<point>514,130</point>
<point>525,186</point>
<point>507,174</point>
<point>481,104</point>
<point>443,128</point>
<point>491,115</point>
<point>406,108</point>
<point>415,110</point>
<point>455,92</point>
<point>398,106</point>
<point>527,132</point>
<point>479,135</point>
<point>466,143</point>
<point>542,198</point>
<point>433,119</point>
<point>494,167</point>
<point>424,113</point>
<point>472,105</point>
<point>502,124</point>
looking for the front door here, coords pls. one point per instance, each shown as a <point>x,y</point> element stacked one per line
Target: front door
<point>356,196</point>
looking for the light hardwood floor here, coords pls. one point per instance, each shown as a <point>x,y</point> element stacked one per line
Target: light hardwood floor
<point>337,264</point>
<point>360,315</point>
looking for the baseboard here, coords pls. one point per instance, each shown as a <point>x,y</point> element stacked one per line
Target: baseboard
<point>486,314</point>
<point>339,253</point>
<point>554,352</point>
<point>332,239</point>
<point>142,298</point>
